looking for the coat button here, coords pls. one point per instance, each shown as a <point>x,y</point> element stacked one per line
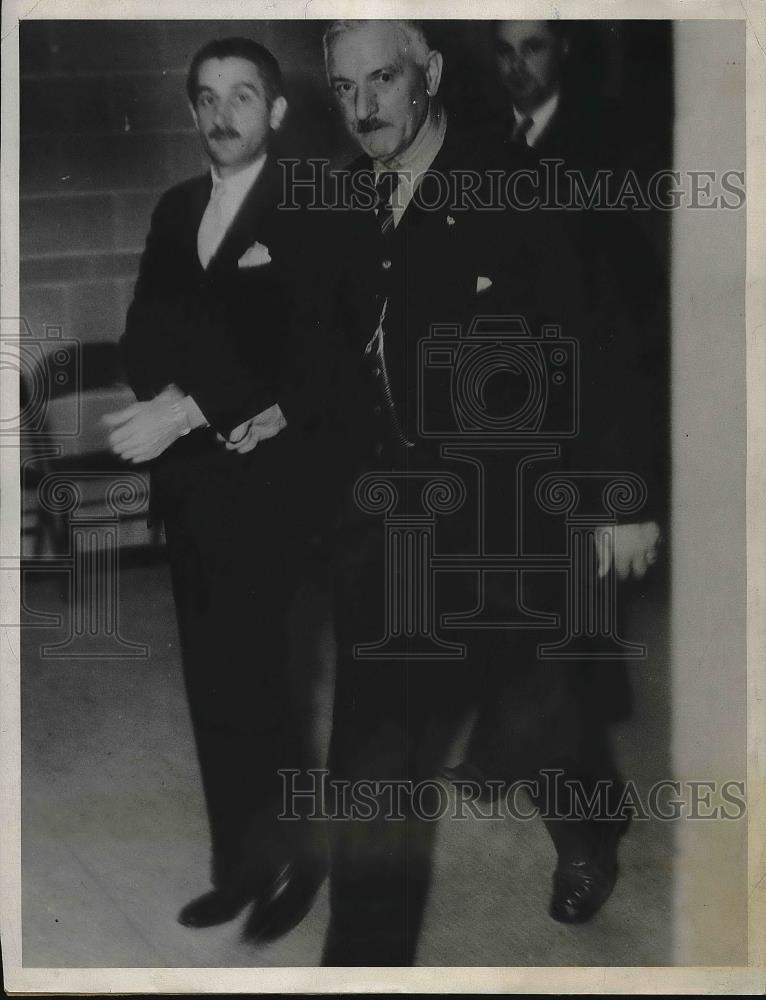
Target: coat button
<point>377,411</point>
<point>379,449</point>
<point>376,371</point>
<point>386,265</point>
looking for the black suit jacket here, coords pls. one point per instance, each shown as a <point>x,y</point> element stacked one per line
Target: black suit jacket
<point>626,294</point>
<point>540,267</point>
<point>236,339</point>
<point>447,262</point>
<point>623,318</point>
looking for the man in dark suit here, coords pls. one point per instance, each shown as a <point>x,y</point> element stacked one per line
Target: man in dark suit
<point>422,259</point>
<point>623,425</point>
<point>225,308</point>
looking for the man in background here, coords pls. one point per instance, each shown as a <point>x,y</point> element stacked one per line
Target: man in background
<point>224,309</point>
<point>623,423</point>
<point>530,59</point>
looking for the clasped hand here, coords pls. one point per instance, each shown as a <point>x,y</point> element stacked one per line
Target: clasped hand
<point>262,426</point>
<point>144,430</point>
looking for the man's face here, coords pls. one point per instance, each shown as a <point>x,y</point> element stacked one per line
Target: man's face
<point>379,87</point>
<point>529,61</point>
<point>232,113</point>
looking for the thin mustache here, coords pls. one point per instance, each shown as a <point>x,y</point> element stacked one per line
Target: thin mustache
<point>223,133</point>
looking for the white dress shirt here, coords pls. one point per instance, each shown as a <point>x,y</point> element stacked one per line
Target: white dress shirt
<point>226,199</point>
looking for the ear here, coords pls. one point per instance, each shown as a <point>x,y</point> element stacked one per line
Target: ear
<point>434,72</point>
<point>277,113</point>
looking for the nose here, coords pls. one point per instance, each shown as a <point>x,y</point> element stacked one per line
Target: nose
<point>366,105</point>
<point>517,61</point>
<point>220,114</point>
<point>508,59</point>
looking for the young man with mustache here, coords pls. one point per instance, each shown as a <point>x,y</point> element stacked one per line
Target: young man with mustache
<point>212,347</point>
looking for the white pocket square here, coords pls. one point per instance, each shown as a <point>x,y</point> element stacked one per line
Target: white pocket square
<point>482,284</point>
<point>255,256</point>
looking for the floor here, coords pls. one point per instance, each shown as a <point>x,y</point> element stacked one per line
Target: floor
<point>114,832</point>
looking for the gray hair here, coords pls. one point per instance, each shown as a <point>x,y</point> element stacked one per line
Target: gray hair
<point>415,41</point>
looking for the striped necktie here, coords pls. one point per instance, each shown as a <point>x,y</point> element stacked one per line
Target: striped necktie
<point>385,186</point>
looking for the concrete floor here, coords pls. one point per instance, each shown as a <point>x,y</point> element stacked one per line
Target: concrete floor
<point>115,839</point>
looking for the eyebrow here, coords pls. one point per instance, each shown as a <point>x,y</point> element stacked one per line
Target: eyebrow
<point>393,67</point>
<point>204,88</point>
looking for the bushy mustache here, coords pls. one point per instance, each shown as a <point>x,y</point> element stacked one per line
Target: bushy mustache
<point>369,125</point>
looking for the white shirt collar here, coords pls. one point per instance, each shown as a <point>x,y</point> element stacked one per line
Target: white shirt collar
<point>421,152</point>
<point>540,117</point>
<point>415,161</point>
<point>234,188</point>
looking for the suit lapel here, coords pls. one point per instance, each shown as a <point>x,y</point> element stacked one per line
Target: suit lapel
<point>416,216</point>
<point>413,215</point>
<point>189,222</point>
<point>250,223</point>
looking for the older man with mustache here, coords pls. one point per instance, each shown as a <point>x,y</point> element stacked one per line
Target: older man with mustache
<point>437,248</point>
<point>421,257</point>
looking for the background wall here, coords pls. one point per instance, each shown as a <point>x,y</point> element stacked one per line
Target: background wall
<point>709,596</point>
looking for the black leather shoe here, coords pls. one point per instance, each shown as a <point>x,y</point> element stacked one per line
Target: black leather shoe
<point>467,773</point>
<point>581,886</point>
<point>283,904</point>
<point>218,906</point>
<point>580,889</point>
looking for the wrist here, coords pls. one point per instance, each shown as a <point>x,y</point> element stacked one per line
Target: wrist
<point>180,417</point>
<point>193,413</point>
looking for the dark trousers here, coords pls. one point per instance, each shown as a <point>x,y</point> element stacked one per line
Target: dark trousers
<point>545,722</point>
<point>536,728</point>
<point>394,720</point>
<point>235,557</point>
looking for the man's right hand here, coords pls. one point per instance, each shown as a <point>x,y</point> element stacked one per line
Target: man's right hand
<point>144,430</point>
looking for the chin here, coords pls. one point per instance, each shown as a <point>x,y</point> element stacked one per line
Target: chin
<point>379,145</point>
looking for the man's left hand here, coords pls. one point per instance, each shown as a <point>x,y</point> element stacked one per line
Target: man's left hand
<point>630,548</point>
<point>264,425</point>
<point>143,431</point>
